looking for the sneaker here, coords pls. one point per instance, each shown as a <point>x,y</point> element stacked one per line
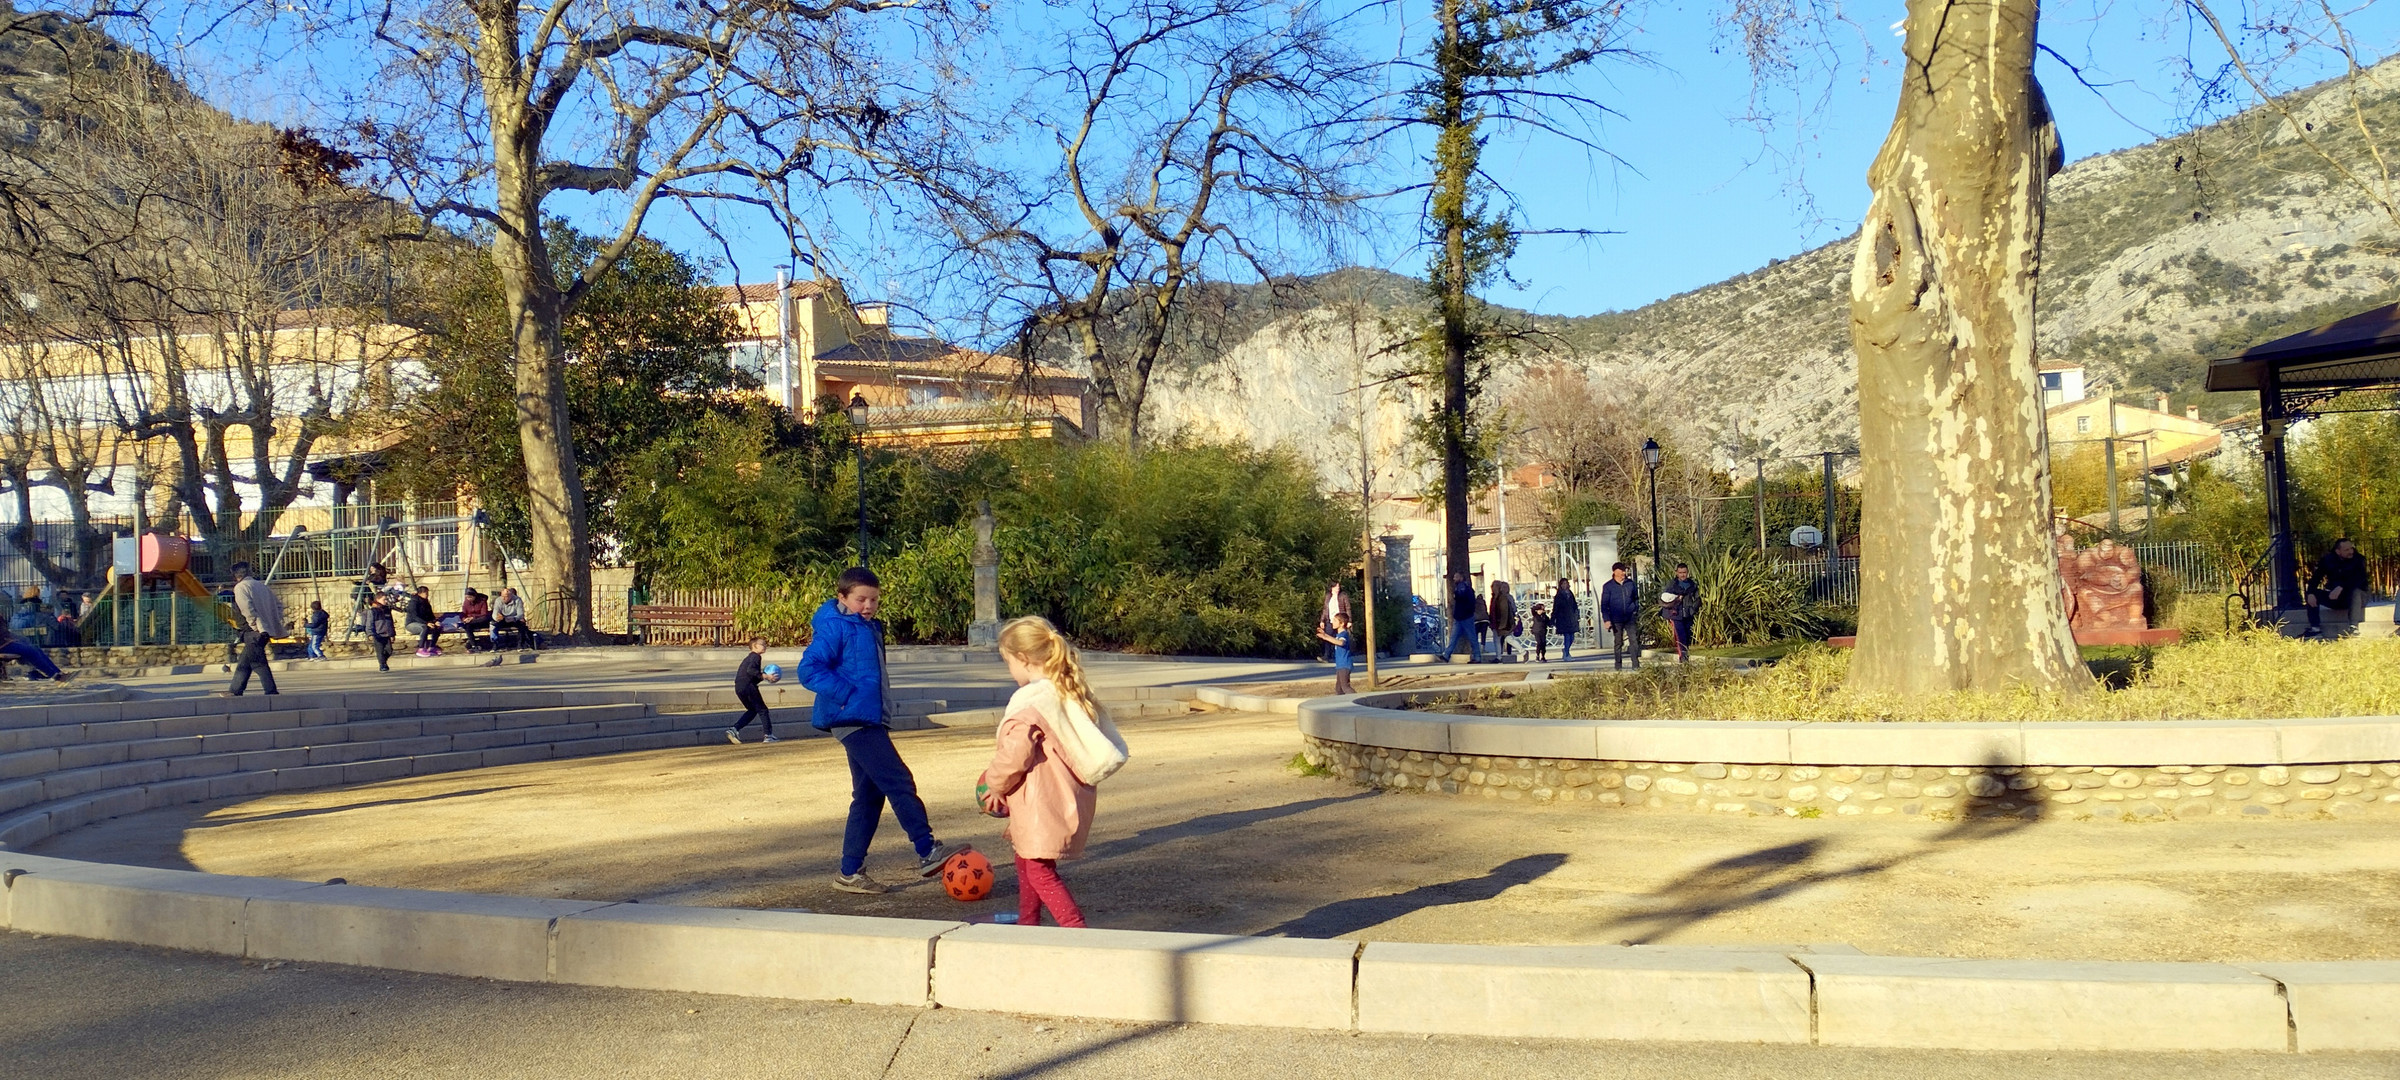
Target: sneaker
<point>424,652</point>
<point>770,739</point>
<point>859,883</point>
<point>733,736</point>
<point>931,864</point>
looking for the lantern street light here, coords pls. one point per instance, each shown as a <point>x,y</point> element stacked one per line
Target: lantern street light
<point>858,430</point>
<point>1651,456</point>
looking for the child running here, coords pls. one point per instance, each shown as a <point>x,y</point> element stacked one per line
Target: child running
<point>1344,644</point>
<point>844,667</point>
<point>1055,746</point>
<point>745,686</point>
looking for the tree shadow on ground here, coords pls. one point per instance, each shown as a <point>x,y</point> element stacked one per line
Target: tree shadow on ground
<point>1351,916</point>
<point>1761,877</point>
<point>1213,824</point>
<point>320,811</point>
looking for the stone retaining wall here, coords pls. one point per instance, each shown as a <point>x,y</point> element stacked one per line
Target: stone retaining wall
<point>2288,768</point>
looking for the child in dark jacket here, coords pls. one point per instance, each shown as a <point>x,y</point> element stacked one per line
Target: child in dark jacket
<point>844,668</point>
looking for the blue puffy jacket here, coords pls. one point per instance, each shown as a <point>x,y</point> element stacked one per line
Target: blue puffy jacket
<point>844,668</point>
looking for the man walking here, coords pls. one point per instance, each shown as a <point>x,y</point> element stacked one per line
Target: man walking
<point>1680,603</point>
<point>1462,620</point>
<point>1620,613</point>
<point>262,620</point>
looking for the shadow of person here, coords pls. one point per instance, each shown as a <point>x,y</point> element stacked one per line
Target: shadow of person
<point>1997,805</point>
<point>1351,916</point>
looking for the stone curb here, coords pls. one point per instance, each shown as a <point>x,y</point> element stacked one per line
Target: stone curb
<point>1365,719</point>
<point>1661,993</point>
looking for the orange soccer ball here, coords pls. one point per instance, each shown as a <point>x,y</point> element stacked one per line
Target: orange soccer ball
<point>967,876</point>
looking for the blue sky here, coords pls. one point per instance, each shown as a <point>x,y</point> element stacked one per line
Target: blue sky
<point>1696,195</point>
<point>1699,194</point>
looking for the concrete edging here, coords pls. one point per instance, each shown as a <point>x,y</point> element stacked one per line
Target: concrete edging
<point>1661,993</point>
<point>2294,741</point>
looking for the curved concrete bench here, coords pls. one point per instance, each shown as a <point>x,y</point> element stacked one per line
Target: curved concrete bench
<point>2131,769</point>
<point>87,761</point>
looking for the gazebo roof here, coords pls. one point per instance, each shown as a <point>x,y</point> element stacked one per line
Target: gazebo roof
<point>2360,351</point>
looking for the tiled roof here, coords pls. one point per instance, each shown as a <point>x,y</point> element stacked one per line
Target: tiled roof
<point>764,291</point>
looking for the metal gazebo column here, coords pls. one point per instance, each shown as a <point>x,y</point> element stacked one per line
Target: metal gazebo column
<point>2283,559</point>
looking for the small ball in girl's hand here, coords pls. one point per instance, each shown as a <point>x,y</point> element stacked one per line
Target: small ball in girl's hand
<point>983,801</point>
<point>967,877</point>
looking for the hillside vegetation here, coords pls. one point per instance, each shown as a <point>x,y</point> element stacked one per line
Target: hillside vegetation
<point>2156,258</point>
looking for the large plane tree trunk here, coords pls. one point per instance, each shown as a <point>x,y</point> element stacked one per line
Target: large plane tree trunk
<point>537,312</point>
<point>1959,583</point>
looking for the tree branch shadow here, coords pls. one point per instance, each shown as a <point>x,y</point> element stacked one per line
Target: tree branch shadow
<point>1769,874</point>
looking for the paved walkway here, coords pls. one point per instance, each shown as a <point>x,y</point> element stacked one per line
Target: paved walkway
<point>71,1010</point>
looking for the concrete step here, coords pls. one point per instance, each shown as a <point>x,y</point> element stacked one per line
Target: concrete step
<point>88,795</point>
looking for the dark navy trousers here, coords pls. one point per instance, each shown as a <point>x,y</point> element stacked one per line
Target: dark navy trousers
<point>877,775</point>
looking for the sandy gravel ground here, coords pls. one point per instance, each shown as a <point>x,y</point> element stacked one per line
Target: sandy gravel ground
<point>1210,830</point>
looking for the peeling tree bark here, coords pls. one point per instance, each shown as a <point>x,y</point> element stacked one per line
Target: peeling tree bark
<point>1959,583</point>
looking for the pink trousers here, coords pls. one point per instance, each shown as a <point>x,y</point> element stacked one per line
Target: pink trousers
<point>1039,886</point>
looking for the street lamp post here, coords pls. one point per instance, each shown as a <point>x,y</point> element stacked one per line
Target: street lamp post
<point>1651,456</point>
<point>858,436</point>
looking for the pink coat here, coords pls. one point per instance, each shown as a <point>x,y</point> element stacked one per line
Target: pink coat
<point>1049,810</point>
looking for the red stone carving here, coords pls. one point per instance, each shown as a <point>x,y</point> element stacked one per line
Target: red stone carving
<point>2103,586</point>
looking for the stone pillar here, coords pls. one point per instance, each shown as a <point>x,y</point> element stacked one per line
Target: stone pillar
<point>984,632</point>
<point>1399,577</point>
<point>1602,540</point>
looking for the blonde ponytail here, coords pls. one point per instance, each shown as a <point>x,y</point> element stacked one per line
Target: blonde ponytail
<point>1033,640</point>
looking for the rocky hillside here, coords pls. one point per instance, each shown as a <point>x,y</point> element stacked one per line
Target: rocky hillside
<point>2156,258</point>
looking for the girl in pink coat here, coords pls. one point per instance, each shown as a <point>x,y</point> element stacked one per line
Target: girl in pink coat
<point>1054,746</point>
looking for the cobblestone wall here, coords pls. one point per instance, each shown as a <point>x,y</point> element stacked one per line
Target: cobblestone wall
<point>2063,791</point>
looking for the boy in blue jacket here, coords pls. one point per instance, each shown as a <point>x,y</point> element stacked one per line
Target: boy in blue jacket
<point>844,668</point>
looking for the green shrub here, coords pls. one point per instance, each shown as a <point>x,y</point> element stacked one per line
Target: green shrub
<point>1181,548</point>
<point>1745,599</point>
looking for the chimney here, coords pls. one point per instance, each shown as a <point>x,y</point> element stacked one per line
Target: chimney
<point>2163,406</point>
<point>2191,412</point>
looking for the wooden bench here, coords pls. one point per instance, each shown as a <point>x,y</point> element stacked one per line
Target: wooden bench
<point>648,617</point>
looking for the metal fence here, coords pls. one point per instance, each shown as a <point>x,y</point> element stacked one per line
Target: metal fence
<point>1834,582</point>
<point>301,543</point>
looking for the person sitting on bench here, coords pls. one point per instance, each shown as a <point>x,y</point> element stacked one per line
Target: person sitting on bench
<point>474,614</point>
<point>30,655</point>
<point>424,623</point>
<point>508,613</point>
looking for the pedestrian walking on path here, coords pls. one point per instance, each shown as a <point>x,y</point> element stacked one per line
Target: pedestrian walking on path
<point>844,667</point>
<point>745,687</point>
<point>262,621</point>
<point>1055,746</point>
<point>1537,628</point>
<point>1621,612</point>
<point>1680,603</point>
<point>1345,645</point>
<point>1503,614</point>
<point>1462,620</point>
<point>381,629</point>
<point>1566,613</point>
<point>319,621</point>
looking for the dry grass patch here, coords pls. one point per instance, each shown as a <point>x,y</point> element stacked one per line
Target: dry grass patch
<point>2254,675</point>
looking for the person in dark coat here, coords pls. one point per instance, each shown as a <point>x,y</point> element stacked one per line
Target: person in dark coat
<point>2340,583</point>
<point>1680,603</point>
<point>1503,615</point>
<point>1566,616</point>
<point>1620,613</point>
<point>1462,620</point>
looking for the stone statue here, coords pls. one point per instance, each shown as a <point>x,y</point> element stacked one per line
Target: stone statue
<point>984,632</point>
<point>2103,585</point>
